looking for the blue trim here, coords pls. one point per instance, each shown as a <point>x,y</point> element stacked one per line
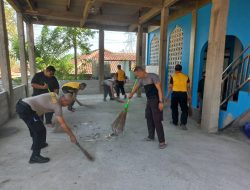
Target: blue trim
<point>150,38</point>
<point>185,23</point>
<point>203,24</point>
<point>235,109</point>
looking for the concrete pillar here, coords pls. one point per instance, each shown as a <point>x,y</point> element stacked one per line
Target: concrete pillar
<point>163,47</point>
<point>139,51</point>
<point>214,66</point>
<point>21,38</point>
<point>5,61</point>
<point>101,59</point>
<point>139,46</point>
<point>144,47</point>
<point>192,45</point>
<point>31,48</point>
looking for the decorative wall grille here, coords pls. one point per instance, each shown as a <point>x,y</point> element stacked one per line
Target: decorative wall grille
<point>175,49</point>
<point>154,51</point>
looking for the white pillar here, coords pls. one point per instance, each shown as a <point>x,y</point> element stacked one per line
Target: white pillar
<point>101,59</point>
<point>5,61</point>
<point>21,37</point>
<point>214,66</point>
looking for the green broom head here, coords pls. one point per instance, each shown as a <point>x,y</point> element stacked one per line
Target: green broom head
<point>126,107</point>
<point>127,103</point>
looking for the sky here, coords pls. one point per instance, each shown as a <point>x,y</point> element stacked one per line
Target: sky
<point>113,41</point>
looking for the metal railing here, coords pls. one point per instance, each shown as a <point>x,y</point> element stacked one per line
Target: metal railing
<point>235,76</point>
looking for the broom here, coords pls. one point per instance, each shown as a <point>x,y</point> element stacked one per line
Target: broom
<point>190,110</point>
<point>119,122</point>
<point>85,152</point>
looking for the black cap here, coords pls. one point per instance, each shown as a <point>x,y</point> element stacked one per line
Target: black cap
<point>51,68</point>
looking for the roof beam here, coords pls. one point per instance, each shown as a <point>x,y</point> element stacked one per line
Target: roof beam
<point>150,14</point>
<point>76,24</point>
<point>52,14</point>
<point>68,5</point>
<point>144,18</point>
<point>85,12</point>
<point>31,5</point>
<point>139,3</point>
<point>67,16</point>
<point>107,19</point>
<point>168,3</point>
<point>16,5</point>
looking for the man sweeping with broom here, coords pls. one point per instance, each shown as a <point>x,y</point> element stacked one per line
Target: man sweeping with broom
<point>154,108</point>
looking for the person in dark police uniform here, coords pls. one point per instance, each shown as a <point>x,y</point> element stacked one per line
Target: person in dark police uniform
<point>154,108</point>
<point>44,82</point>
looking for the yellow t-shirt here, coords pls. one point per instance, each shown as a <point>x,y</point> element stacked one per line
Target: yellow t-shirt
<point>75,85</point>
<point>120,75</point>
<point>179,82</point>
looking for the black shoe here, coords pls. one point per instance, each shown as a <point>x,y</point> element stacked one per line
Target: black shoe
<point>43,146</point>
<point>112,98</point>
<point>38,159</point>
<point>175,124</point>
<point>148,139</point>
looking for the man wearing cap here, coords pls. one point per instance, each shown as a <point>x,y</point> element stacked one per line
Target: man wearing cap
<point>73,88</point>
<point>179,85</point>
<point>30,109</point>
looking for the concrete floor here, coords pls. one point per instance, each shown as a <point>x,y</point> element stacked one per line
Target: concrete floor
<point>193,160</point>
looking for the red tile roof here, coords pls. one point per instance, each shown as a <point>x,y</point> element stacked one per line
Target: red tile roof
<point>85,61</point>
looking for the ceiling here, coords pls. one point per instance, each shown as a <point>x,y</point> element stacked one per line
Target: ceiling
<point>117,15</point>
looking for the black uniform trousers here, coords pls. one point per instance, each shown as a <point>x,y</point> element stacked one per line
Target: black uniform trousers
<point>34,123</point>
<point>120,87</point>
<point>107,91</point>
<point>179,98</point>
<point>154,119</point>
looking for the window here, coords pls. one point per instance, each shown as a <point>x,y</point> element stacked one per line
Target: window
<point>175,49</point>
<point>154,51</point>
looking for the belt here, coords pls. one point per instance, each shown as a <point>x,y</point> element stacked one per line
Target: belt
<point>20,101</point>
<point>179,91</point>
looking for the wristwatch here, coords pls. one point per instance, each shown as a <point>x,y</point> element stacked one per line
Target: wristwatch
<point>160,101</point>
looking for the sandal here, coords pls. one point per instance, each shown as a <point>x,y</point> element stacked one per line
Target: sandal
<point>162,145</point>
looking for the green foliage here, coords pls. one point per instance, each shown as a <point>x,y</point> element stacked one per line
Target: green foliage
<point>17,81</point>
<point>53,46</point>
<point>10,16</point>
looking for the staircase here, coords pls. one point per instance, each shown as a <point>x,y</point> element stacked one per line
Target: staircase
<point>235,89</point>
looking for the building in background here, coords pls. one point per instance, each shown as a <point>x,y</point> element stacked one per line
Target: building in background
<point>88,63</point>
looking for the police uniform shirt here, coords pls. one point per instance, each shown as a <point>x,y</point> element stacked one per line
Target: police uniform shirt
<point>44,104</point>
<point>109,82</point>
<point>149,85</point>
<point>121,75</point>
<point>179,82</point>
<point>73,85</point>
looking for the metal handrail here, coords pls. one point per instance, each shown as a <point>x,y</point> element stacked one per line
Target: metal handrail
<point>234,91</point>
<point>235,77</point>
<point>231,64</point>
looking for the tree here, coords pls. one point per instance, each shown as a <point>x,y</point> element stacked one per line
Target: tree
<point>72,37</point>
<point>54,45</point>
<point>10,16</point>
